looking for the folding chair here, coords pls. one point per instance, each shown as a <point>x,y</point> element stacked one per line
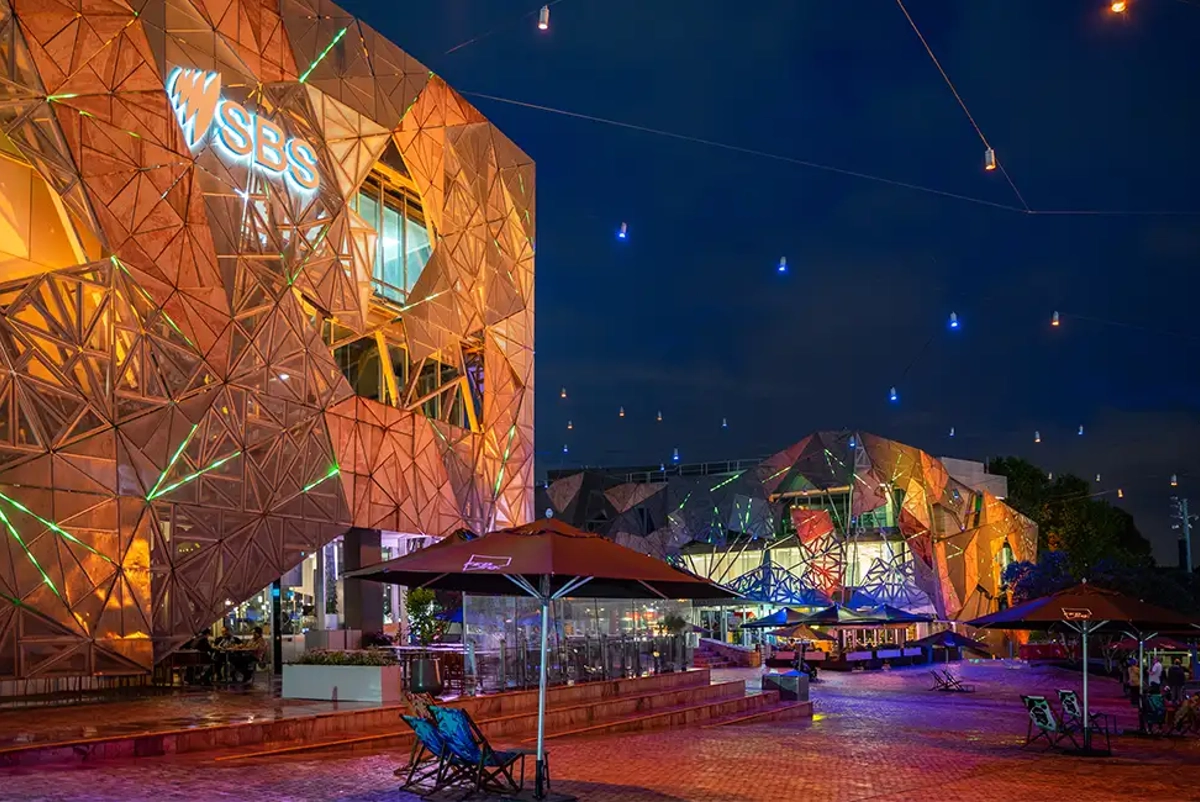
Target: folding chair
<point>1072,715</point>
<point>953,683</point>
<point>1041,717</point>
<point>427,761</point>
<point>1154,713</point>
<point>468,752</point>
<point>939,682</point>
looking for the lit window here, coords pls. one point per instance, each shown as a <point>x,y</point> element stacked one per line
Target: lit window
<point>395,213</point>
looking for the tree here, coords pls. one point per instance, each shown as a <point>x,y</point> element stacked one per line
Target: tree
<point>1071,520</point>
<point>423,623</point>
<point>1029,580</point>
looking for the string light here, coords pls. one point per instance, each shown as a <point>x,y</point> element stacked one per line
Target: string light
<point>1174,480</point>
<point>782,264</point>
<point>989,160</point>
<point>954,320</point>
<point>1050,476</point>
<point>892,396</point>
<point>951,431</point>
<point>544,18</point>
<point>563,393</point>
<point>660,416</point>
<point>1037,437</point>
<point>1119,7</point>
<point>724,423</point>
<point>565,448</point>
<point>1081,430</point>
<point>623,231</point>
<point>853,443</point>
<point>570,426</point>
<point>675,455</point>
<point>1120,493</point>
<point>1054,319</point>
<point>621,412</point>
<point>1097,477</point>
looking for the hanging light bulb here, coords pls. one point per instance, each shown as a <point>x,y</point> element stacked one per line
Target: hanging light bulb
<point>954,320</point>
<point>1119,7</point>
<point>1120,493</point>
<point>989,160</point>
<point>724,423</point>
<point>1050,476</point>
<point>1081,430</point>
<point>621,412</point>
<point>892,396</point>
<point>564,448</point>
<point>1054,319</point>
<point>660,416</point>
<point>1097,477</point>
<point>782,264</point>
<point>1037,437</point>
<point>623,231</point>
<point>1174,480</point>
<point>662,467</point>
<point>675,455</point>
<point>544,18</point>
<point>853,442</point>
<point>951,431</point>
<point>562,393</point>
<point>570,426</point>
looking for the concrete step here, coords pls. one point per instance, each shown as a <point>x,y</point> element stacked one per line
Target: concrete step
<point>680,716</point>
<point>782,711</point>
<point>516,727</point>
<point>334,725</point>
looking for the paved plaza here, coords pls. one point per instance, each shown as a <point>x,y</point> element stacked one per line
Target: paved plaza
<point>879,736</point>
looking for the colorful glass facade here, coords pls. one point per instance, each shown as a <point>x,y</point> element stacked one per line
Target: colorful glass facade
<point>839,516</point>
<point>211,362</point>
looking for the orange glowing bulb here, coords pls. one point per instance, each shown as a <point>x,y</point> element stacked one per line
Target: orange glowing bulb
<point>1119,6</point>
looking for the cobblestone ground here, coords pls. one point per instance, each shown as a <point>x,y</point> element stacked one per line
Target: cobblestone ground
<point>880,736</point>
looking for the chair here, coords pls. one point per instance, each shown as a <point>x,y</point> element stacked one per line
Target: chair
<point>427,761</point>
<point>1154,713</point>
<point>470,755</point>
<point>1041,716</point>
<point>939,682</point>
<point>1073,717</point>
<point>953,683</point>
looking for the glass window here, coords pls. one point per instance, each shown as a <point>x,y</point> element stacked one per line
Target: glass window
<point>404,244</point>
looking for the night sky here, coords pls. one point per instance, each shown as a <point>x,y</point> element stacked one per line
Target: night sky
<point>1085,110</point>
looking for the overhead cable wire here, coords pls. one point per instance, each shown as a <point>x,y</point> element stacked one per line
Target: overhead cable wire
<point>962,103</point>
<point>748,151</point>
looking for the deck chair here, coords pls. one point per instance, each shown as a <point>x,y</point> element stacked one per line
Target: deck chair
<point>1154,713</point>
<point>427,769</point>
<point>939,682</point>
<point>472,758</point>
<point>953,683</point>
<point>1041,718</point>
<point>1072,715</point>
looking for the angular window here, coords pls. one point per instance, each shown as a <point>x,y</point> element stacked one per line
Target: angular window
<point>388,204</point>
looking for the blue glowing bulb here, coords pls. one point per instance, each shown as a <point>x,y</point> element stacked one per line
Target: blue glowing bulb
<point>623,231</point>
<point>782,264</point>
<point>564,449</point>
<point>724,423</point>
<point>954,320</point>
<point>892,396</point>
<point>853,442</point>
<point>675,455</point>
<point>951,431</point>
<point>1081,430</point>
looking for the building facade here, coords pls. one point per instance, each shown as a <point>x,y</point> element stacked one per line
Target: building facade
<point>844,517</point>
<point>264,279</point>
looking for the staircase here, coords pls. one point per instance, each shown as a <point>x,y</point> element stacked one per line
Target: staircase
<point>707,657</point>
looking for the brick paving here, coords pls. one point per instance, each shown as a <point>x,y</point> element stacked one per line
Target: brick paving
<point>880,736</point>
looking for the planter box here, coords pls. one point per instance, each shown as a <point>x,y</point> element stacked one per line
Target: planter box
<point>379,684</point>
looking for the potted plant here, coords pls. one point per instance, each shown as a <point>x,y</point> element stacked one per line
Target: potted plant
<point>425,673</point>
<point>363,675</point>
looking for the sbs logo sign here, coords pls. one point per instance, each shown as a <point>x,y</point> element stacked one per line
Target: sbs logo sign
<point>195,96</point>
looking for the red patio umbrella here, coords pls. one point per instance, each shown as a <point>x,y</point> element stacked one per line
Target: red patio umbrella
<point>1086,608</point>
<point>548,560</point>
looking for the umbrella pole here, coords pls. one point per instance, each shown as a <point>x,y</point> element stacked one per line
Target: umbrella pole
<point>539,783</point>
<point>1087,729</point>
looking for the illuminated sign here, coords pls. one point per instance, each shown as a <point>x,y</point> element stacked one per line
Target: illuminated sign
<point>241,136</point>
<point>1076,614</point>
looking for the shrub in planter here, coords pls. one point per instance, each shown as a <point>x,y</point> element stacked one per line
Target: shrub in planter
<point>359,657</point>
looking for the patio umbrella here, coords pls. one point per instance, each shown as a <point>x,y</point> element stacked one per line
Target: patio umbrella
<point>838,616</point>
<point>801,632</point>
<point>547,560</point>
<point>1160,642</point>
<point>948,639</point>
<point>897,616</point>
<point>1084,608</point>
<point>782,616</point>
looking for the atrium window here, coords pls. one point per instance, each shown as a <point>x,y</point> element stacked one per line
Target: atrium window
<point>390,207</point>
